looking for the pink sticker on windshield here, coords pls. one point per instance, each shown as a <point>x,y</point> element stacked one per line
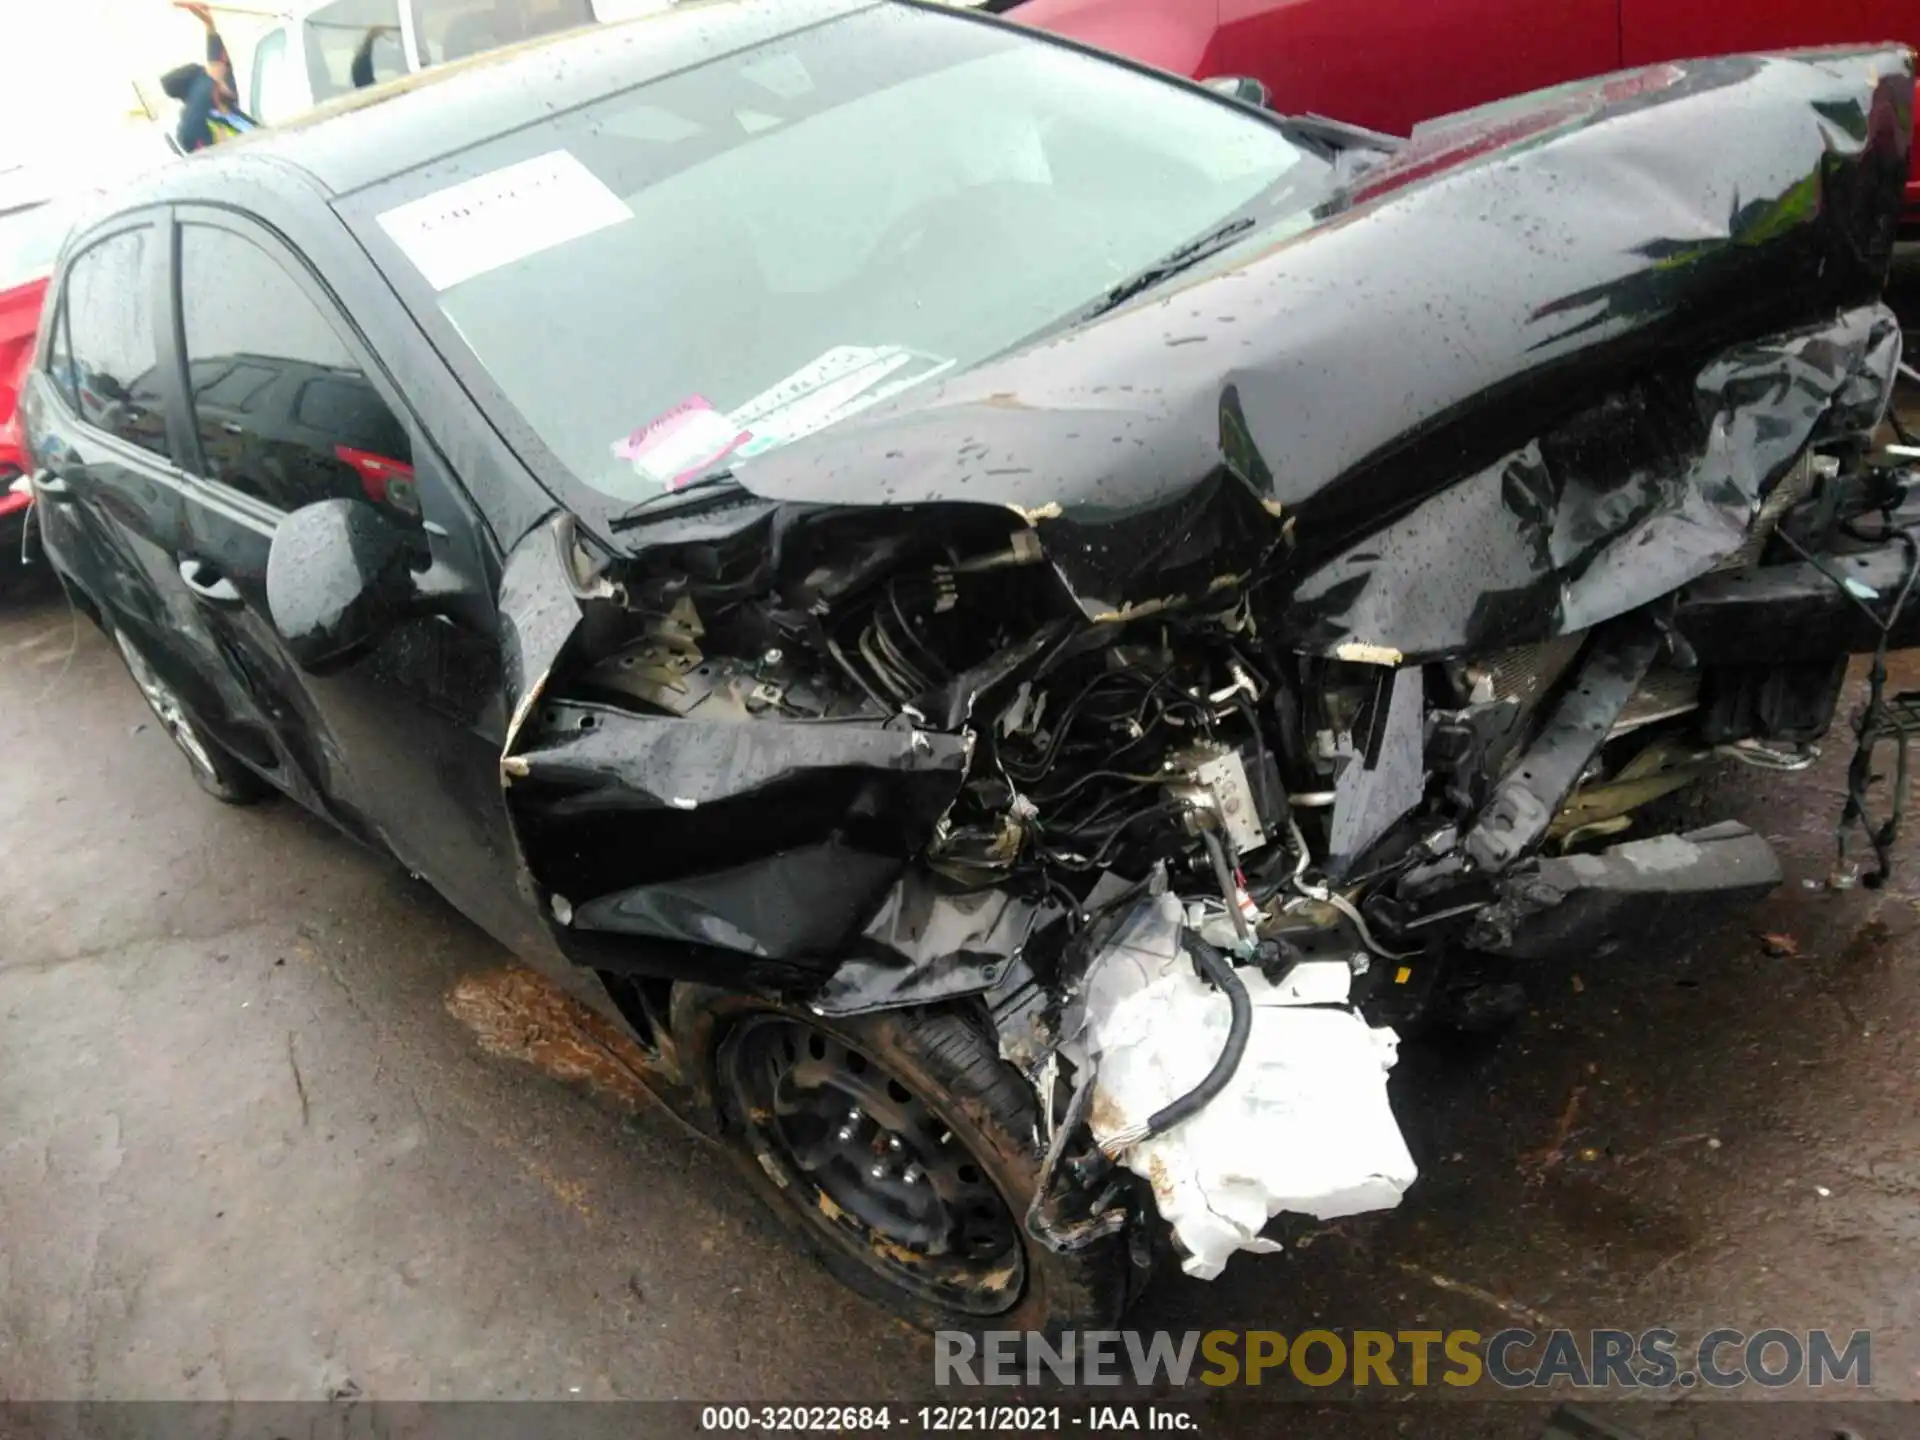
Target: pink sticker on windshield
<point>682,444</point>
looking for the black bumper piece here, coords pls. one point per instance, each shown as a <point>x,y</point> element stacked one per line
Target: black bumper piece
<point>1783,613</point>
<point>1670,888</point>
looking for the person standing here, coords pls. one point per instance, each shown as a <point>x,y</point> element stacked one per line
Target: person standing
<point>209,105</point>
<point>361,72</point>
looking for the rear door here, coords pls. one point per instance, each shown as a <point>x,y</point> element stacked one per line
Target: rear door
<point>1390,64</point>
<point>286,406</point>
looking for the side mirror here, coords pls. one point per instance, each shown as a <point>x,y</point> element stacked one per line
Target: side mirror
<point>1244,88</point>
<point>338,578</point>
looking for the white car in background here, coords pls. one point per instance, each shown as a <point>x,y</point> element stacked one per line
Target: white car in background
<point>308,56</point>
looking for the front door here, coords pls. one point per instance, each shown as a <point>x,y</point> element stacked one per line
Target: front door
<point>112,485</point>
<point>287,406</point>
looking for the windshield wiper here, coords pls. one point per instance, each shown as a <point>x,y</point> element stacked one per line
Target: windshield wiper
<point>1171,264</point>
<point>639,514</point>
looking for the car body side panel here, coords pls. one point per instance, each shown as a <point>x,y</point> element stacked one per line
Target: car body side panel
<point>401,745</point>
<point>112,514</point>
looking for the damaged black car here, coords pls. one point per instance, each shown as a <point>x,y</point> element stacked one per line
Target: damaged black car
<point>1016,619</point>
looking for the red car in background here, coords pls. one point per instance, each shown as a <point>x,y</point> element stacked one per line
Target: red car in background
<point>30,236</point>
<point>38,204</point>
<point>1390,64</point>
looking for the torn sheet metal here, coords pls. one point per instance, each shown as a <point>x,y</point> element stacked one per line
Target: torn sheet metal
<point>663,762</point>
<point>796,904</point>
<point>1375,790</point>
<point>1633,497</point>
<point>538,616</point>
<point>929,941</point>
<point>1304,1125</point>
<point>740,840</point>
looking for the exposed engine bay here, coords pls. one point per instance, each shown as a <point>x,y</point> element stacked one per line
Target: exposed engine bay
<point>1271,735</point>
<point>1171,854</point>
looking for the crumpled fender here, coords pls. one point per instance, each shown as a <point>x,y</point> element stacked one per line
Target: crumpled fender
<point>1628,501</point>
<point>753,854</point>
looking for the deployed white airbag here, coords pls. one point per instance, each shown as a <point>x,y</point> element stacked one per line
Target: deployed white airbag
<point>1304,1124</point>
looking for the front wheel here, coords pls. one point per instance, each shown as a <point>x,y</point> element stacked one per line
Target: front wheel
<point>213,769</point>
<point>901,1152</point>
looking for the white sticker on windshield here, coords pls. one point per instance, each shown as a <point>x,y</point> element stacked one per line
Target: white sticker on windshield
<point>505,215</point>
<point>841,383</point>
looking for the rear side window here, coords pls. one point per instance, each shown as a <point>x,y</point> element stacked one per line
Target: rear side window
<point>110,333</point>
<point>283,410</point>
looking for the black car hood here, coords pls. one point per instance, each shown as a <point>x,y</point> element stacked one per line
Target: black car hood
<point>1456,305</point>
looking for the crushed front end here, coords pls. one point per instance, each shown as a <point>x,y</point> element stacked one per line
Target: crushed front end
<point>1197,743</point>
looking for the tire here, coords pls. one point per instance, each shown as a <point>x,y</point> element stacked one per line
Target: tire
<point>213,769</point>
<point>945,1060</point>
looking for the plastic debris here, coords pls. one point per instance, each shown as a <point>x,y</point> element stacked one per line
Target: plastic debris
<point>1304,1125</point>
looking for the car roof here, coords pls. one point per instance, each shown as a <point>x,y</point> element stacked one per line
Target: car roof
<point>374,134</point>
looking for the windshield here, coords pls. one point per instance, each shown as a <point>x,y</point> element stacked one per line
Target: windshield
<point>696,270</point>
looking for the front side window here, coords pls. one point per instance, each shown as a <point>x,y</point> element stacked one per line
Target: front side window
<point>746,251</point>
<point>110,332</point>
<point>353,42</point>
<point>283,410</point>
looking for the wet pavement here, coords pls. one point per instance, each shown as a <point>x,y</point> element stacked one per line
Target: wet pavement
<point>276,1123</point>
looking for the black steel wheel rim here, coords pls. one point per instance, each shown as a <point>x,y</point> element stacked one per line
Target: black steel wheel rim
<point>872,1166</point>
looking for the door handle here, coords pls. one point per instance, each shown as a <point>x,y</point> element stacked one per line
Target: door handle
<point>209,584</point>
